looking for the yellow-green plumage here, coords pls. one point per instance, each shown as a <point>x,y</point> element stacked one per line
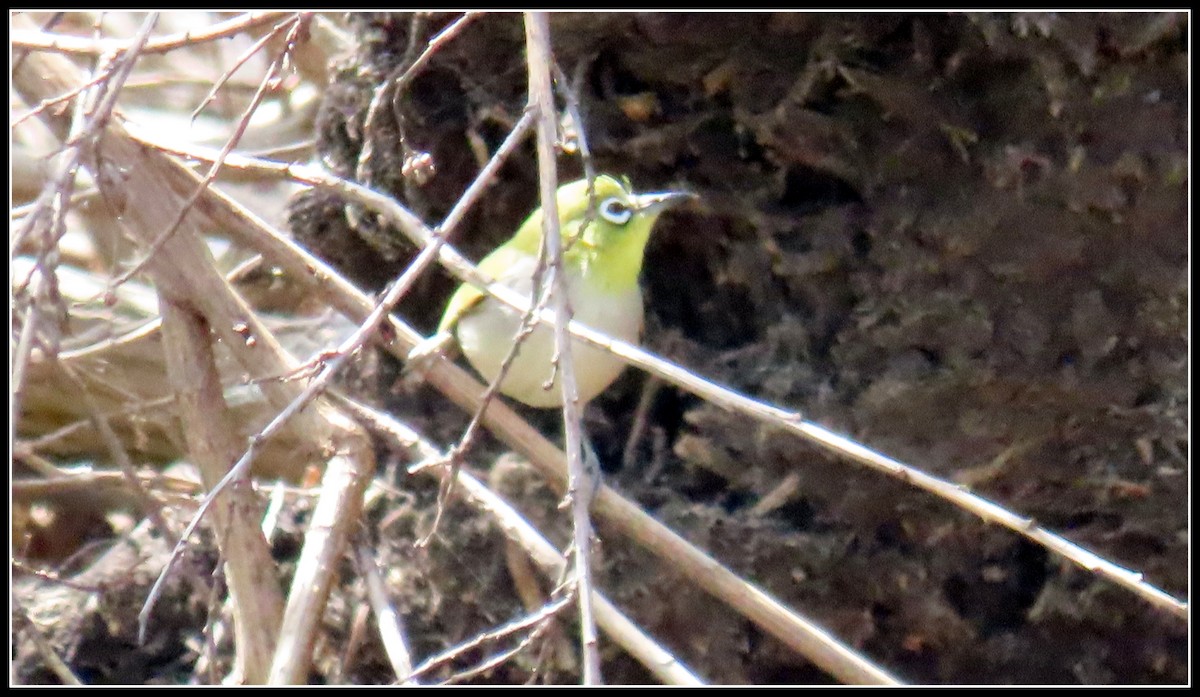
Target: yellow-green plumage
<point>602,267</point>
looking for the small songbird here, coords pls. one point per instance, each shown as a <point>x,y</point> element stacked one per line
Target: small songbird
<point>602,257</point>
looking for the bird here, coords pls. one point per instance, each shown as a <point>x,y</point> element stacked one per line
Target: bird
<point>603,248</point>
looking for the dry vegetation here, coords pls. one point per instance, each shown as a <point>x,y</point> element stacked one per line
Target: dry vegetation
<point>959,238</point>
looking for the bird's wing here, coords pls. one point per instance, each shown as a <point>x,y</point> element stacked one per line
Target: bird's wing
<point>510,267</point>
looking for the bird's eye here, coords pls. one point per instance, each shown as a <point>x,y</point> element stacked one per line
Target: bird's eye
<point>615,211</point>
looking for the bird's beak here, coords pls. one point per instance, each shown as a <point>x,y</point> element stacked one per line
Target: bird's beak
<point>660,201</point>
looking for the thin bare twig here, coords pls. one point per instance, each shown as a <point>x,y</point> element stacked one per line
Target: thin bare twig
<point>17,213</point>
<point>87,119</point>
<point>48,440</point>
<point>532,620</point>
<point>580,486</point>
<point>20,55</point>
<point>64,97</point>
<point>574,138</point>
<point>387,619</point>
<point>122,68</point>
<point>349,649</point>
<point>42,41</point>
<point>641,418</point>
<point>290,24</point>
<point>24,347</point>
<point>142,186</point>
<point>157,244</point>
<point>116,450</point>
<point>22,453</point>
<point>53,661</point>
<point>395,85</point>
<point>576,135</point>
<point>51,577</point>
<point>620,628</point>
<point>501,656</point>
<point>487,175</point>
<point>214,629</point>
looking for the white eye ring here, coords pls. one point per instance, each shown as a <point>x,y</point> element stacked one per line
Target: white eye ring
<point>616,211</point>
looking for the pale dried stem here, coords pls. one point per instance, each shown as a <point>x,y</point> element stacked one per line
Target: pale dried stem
<point>117,451</point>
<point>579,484</point>
<point>101,490</point>
<point>532,621</point>
<point>240,61</point>
<point>38,40</point>
<point>641,420</point>
<point>146,188</point>
<point>619,628</point>
<point>779,495</point>
<point>23,350</point>
<point>334,520</point>
<point>164,235</point>
<point>387,618</point>
<point>249,569</point>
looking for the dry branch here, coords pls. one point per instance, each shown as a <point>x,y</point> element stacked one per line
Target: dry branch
<point>579,484</point>
<point>619,628</point>
<point>37,40</point>
<point>250,570</point>
<point>146,188</point>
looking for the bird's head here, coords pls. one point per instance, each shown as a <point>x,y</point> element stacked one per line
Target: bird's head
<point>609,238</point>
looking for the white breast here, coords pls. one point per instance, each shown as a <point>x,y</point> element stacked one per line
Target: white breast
<point>486,334</point>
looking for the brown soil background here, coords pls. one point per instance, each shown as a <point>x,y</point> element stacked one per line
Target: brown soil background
<point>961,239</point>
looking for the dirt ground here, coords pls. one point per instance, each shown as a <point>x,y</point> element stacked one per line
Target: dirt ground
<point>960,239</point>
